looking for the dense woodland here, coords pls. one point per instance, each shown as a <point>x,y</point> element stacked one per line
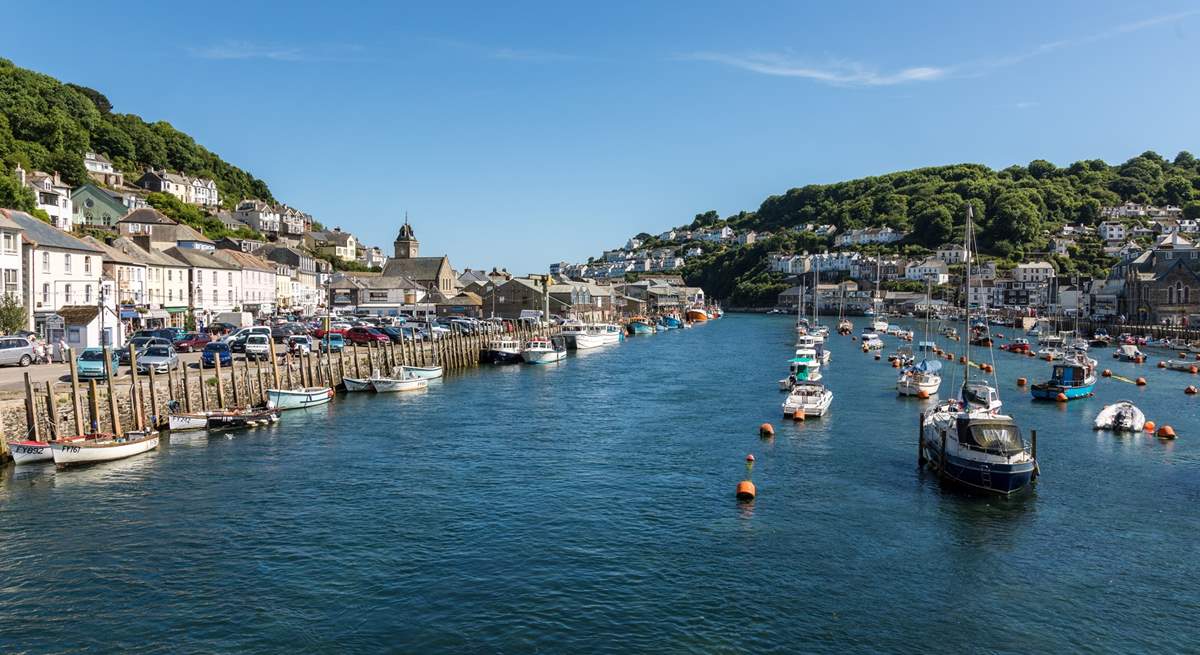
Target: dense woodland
<point>48,125</point>
<point>1017,210</point>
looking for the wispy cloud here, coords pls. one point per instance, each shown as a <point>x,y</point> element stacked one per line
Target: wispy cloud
<point>854,74</point>
<point>505,53</point>
<point>837,73</point>
<point>1026,104</point>
<point>241,50</point>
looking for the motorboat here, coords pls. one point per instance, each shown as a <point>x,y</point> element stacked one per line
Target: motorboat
<point>670,322</point>
<point>90,449</point>
<point>972,445</point>
<point>920,377</point>
<point>1020,345</point>
<point>422,372</point>
<point>1185,365</point>
<point>1074,378</point>
<point>600,334</point>
<point>640,325</point>
<point>242,418</point>
<point>696,314</point>
<point>803,367</point>
<point>902,354</point>
<point>501,350</point>
<point>302,398</point>
<point>1121,416</point>
<point>571,329</point>
<point>871,341</point>
<point>845,327</point>
<point>1129,353</point>
<point>814,343</point>
<point>1051,353</point>
<point>356,384</point>
<point>542,350</point>
<point>807,398</point>
<point>1080,345</point>
<point>398,381</point>
<point>927,346</point>
<point>950,333</point>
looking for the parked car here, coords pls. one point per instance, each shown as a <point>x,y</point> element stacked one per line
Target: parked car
<point>216,351</point>
<point>140,344</point>
<point>192,341</point>
<point>159,358</point>
<point>366,335</point>
<point>333,343</point>
<point>247,331</point>
<point>257,346</point>
<point>217,329</point>
<point>300,344</point>
<point>395,334</point>
<point>16,350</point>
<point>90,363</point>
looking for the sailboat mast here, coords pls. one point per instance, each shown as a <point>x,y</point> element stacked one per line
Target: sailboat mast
<point>967,300</point>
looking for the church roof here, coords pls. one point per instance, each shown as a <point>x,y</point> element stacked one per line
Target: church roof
<point>406,233</point>
<point>420,269</point>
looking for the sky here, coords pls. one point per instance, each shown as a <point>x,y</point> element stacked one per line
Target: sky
<point>519,134</point>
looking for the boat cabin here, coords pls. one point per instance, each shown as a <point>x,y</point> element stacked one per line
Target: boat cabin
<point>997,436</point>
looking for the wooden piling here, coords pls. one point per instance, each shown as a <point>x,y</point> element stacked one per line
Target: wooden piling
<point>51,411</point>
<point>76,406</point>
<point>93,407</point>
<point>217,369</point>
<point>287,362</point>
<point>187,388</point>
<point>274,366</point>
<point>154,397</point>
<point>31,412</point>
<point>354,354</point>
<point>135,404</point>
<point>171,381</point>
<point>114,415</point>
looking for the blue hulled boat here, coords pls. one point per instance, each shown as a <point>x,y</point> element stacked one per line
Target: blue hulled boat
<point>670,323</point>
<point>1074,377</point>
<point>639,325</point>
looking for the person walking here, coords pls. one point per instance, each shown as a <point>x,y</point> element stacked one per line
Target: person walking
<point>62,350</point>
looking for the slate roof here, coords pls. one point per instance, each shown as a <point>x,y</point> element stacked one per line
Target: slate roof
<point>148,257</point>
<point>40,233</point>
<point>244,260</point>
<point>147,215</point>
<point>187,233</point>
<point>119,254</point>
<point>374,282</point>
<point>416,268</point>
<point>198,259</point>
<point>78,314</point>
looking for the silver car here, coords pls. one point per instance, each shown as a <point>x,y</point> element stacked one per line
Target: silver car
<point>16,350</point>
<point>160,358</point>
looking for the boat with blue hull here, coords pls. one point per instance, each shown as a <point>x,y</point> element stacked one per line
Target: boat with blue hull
<point>1072,378</point>
<point>638,325</point>
<point>670,323</point>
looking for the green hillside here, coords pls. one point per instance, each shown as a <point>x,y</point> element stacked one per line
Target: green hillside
<point>48,125</point>
<point>1017,209</point>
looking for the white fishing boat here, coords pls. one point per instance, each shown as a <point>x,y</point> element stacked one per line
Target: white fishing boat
<point>298,398</point>
<point>571,331</point>
<point>1051,353</point>
<point>182,421</point>
<point>422,372</point>
<point>1129,353</point>
<point>384,384</point>
<point>27,451</point>
<point>541,350</point>
<point>807,399</point>
<point>357,384</point>
<point>920,377</point>
<point>1121,416</point>
<point>85,450</point>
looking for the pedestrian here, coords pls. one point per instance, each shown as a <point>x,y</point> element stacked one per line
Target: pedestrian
<point>39,352</point>
<point>62,350</point>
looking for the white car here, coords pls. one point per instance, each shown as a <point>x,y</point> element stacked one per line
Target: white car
<point>258,346</point>
<point>254,329</point>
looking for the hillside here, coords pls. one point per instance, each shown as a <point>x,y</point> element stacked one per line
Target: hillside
<point>48,125</point>
<point>1017,209</point>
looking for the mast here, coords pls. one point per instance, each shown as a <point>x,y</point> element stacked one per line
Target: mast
<point>967,300</point>
<point>816,283</point>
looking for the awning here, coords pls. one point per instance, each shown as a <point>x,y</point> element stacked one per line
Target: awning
<point>129,313</point>
<point>176,310</point>
<point>153,313</point>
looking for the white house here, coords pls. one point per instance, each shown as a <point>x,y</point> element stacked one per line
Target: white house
<point>259,216</point>
<point>1113,231</point>
<point>1033,272</point>
<point>952,254</point>
<point>53,196</point>
<point>166,282</point>
<point>202,191</point>
<point>215,285</point>
<point>99,168</point>
<point>868,235</point>
<point>258,295</point>
<point>932,270</point>
<point>10,256</point>
<point>58,270</point>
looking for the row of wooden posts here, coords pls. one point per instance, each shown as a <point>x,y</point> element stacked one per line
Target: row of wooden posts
<point>243,383</point>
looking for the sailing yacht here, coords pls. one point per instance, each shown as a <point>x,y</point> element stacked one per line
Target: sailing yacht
<point>968,441</point>
<point>922,376</point>
<point>879,322</point>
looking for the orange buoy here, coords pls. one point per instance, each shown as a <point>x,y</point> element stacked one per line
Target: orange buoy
<point>766,430</point>
<point>1149,427</point>
<point>1106,373</point>
<point>1190,390</point>
<point>1166,432</point>
<point>798,416</point>
<point>1021,382</point>
<point>1062,397</point>
<point>1193,370</point>
<point>1031,353</point>
<point>1141,382</point>
<point>1162,364</point>
<point>750,457</point>
<point>895,363</point>
<point>746,490</point>
<point>1139,359</point>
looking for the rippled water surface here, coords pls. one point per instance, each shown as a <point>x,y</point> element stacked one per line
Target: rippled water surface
<point>588,507</point>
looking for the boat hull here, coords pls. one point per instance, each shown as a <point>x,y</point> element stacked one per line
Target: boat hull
<point>1003,479</point>
<point>909,386</point>
<point>389,385</point>
<point>641,328</point>
<point>68,454</point>
<point>499,357</point>
<point>543,356</point>
<point>1050,391</point>
<point>423,372</point>
<point>356,384</point>
<point>182,422</point>
<point>237,420</point>
<point>29,452</point>
<point>697,315</point>
<point>298,398</point>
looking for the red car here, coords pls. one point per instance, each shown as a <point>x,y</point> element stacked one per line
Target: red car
<point>365,335</point>
<point>192,341</point>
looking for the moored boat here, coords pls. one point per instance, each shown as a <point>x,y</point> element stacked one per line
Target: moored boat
<point>28,451</point>
<point>1121,416</point>
<point>356,384</point>
<point>298,398</point>
<point>398,382</point>
<point>1074,378</point>
<point>241,418</point>
<point>90,449</point>
<point>640,325</point>
<point>422,372</point>
<point>542,350</point>
<point>920,377</point>
<point>696,314</point>
<point>1129,353</point>
<point>501,350</point>
<point>808,399</point>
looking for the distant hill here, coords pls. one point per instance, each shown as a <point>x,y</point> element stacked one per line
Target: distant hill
<point>48,125</point>
<point>1017,211</point>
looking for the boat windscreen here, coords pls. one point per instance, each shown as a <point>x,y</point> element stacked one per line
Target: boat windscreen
<point>993,437</point>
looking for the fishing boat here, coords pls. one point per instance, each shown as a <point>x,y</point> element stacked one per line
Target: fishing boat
<point>398,382</point>
<point>670,322</point>
<point>29,451</point>
<point>808,398</point>
<point>541,350</point>
<point>803,367</point>
<point>871,341</point>
<point>298,398</point>
<point>920,377</point>
<point>696,314</point>
<point>1121,416</point>
<point>600,334</point>
<point>640,325</point>
<point>1129,353</point>
<point>90,449</point>
<point>422,372</point>
<point>967,440</point>
<point>1020,345</point>
<point>1074,378</point>
<point>242,418</point>
<point>356,384</point>
<point>501,350</point>
<point>571,329</point>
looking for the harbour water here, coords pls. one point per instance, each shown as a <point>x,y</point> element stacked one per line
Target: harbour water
<point>588,507</point>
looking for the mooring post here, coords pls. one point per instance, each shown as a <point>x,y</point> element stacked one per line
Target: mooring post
<point>76,406</point>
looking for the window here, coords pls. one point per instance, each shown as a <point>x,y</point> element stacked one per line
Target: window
<point>229,279</point>
<point>67,293</point>
<point>45,293</point>
<point>169,275</point>
<point>170,295</point>
<point>67,262</point>
<point>214,279</point>
<point>10,242</point>
<point>87,293</point>
<point>231,295</point>
<point>45,262</point>
<point>87,264</point>
<point>214,295</point>
<point>10,280</point>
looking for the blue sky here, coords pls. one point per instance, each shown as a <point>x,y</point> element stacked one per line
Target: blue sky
<point>524,134</point>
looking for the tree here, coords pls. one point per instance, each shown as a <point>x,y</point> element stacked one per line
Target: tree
<point>1192,210</point>
<point>13,317</point>
<point>1177,190</point>
<point>933,225</point>
<point>1041,169</point>
<point>1014,217</point>
<point>706,219</point>
<point>15,196</point>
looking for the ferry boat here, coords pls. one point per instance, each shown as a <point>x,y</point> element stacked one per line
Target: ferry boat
<point>920,377</point>
<point>298,398</point>
<point>541,350</point>
<point>1074,378</point>
<point>697,314</point>
<point>808,399</point>
<point>640,325</point>
<point>90,449</point>
<point>501,350</point>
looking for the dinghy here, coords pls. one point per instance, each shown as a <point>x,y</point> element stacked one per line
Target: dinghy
<point>1121,416</point>
<point>357,384</point>
<point>422,372</point>
<point>29,451</point>
<point>85,450</point>
<point>179,421</point>
<point>298,398</point>
<point>242,418</point>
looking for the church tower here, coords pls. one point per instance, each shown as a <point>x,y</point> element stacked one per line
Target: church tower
<point>406,244</point>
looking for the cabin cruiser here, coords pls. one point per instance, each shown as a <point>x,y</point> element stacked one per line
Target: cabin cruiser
<point>812,342</point>
<point>570,329</point>
<point>542,350</point>
<point>1051,354</point>
<point>501,350</point>
<point>804,367</point>
<point>807,399</point>
<point>903,354</point>
<point>1129,353</point>
<point>871,341</point>
<point>1074,378</point>
<point>971,444</point>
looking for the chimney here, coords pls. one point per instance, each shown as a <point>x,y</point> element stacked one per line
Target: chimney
<point>20,175</point>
